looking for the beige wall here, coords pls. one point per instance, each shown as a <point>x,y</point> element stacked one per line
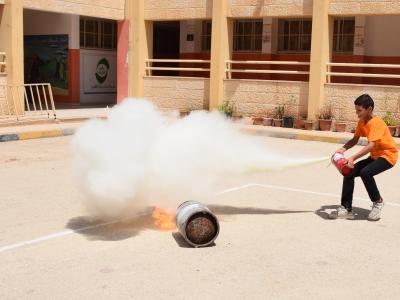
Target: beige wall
<point>177,93</point>
<point>342,96</point>
<point>108,9</point>
<point>177,9</point>
<point>258,97</point>
<point>37,23</point>
<point>275,8</point>
<point>382,36</point>
<point>364,7</point>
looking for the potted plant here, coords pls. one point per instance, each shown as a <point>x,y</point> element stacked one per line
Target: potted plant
<point>184,112</point>
<point>340,126</point>
<point>258,120</point>
<point>288,121</point>
<point>390,121</point>
<point>267,121</point>
<point>325,118</point>
<point>299,122</point>
<point>227,108</point>
<point>236,117</point>
<point>309,124</point>
<point>279,113</point>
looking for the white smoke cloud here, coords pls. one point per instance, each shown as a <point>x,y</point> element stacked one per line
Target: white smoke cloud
<point>139,158</point>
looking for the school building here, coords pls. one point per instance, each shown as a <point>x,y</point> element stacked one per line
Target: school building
<point>196,54</point>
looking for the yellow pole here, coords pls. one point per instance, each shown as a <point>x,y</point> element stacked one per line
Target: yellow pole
<point>12,43</point>
<point>320,55</point>
<point>221,50</point>
<point>140,45</point>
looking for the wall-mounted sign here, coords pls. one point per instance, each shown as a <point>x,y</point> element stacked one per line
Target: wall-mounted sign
<point>99,72</point>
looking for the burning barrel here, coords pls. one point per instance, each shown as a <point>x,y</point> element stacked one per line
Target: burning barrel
<point>196,223</point>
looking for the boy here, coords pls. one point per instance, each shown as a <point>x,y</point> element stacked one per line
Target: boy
<point>383,156</point>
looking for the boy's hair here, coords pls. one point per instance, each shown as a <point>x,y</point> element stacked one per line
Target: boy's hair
<point>365,101</point>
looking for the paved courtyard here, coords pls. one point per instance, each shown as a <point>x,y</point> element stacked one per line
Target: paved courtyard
<point>275,240</point>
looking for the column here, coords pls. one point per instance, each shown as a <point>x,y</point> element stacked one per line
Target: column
<point>12,43</point>
<point>320,55</point>
<point>140,46</point>
<point>221,50</point>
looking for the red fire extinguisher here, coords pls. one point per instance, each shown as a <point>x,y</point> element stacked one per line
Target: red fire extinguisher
<point>340,163</point>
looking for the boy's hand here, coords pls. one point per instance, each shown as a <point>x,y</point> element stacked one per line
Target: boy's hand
<point>341,150</point>
<point>350,162</point>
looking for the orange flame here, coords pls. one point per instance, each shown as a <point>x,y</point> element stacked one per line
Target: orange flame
<point>163,220</point>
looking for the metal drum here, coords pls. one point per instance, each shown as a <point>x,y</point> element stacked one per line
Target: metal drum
<point>197,224</point>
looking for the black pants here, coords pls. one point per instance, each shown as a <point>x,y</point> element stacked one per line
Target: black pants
<point>366,169</point>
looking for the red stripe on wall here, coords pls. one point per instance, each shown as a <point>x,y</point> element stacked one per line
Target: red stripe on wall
<point>73,79</point>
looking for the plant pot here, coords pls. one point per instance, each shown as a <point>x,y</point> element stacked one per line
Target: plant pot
<point>398,130</point>
<point>392,130</point>
<point>308,125</point>
<point>257,121</point>
<point>288,122</point>
<point>278,122</point>
<point>325,125</point>
<point>183,114</point>
<point>236,118</point>
<point>340,127</point>
<point>299,124</point>
<point>267,121</point>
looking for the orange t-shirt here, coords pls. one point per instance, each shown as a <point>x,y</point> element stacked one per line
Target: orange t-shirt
<point>375,130</point>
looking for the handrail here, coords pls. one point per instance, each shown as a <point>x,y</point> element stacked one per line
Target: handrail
<point>229,67</point>
<point>268,62</point>
<point>329,73</point>
<point>391,66</point>
<point>149,67</point>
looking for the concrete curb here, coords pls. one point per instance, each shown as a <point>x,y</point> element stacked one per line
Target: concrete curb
<point>309,136</point>
<point>292,134</point>
<point>36,134</point>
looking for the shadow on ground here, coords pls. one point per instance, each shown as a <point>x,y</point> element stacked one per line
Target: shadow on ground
<point>97,229</point>
<point>234,210</point>
<point>360,213</point>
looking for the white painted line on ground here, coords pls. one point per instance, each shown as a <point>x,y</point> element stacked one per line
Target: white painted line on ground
<point>235,189</point>
<point>283,188</point>
<point>53,236</point>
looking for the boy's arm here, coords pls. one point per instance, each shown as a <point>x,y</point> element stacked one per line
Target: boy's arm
<point>362,152</point>
<point>349,144</point>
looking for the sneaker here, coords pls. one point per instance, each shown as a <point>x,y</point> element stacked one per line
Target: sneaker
<point>376,211</point>
<point>341,213</point>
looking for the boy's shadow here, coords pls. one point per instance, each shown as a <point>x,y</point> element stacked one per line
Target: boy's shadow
<point>359,213</point>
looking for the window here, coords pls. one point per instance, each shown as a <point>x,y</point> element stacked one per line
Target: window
<point>247,35</point>
<point>294,35</point>
<point>343,35</point>
<point>98,34</point>
<point>206,36</point>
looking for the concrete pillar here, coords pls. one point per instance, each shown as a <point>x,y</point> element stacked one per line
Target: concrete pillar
<point>140,46</point>
<point>321,53</point>
<point>12,43</point>
<point>122,60</point>
<point>221,50</point>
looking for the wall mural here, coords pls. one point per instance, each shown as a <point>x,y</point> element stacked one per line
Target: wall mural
<point>46,60</point>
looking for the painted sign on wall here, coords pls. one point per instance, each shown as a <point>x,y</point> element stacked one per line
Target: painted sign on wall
<point>46,60</point>
<point>99,72</point>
